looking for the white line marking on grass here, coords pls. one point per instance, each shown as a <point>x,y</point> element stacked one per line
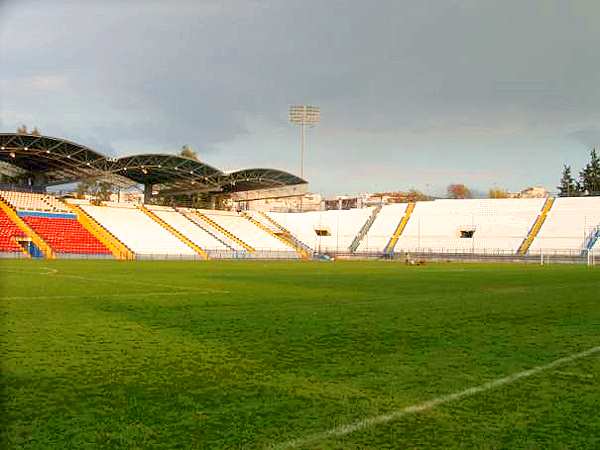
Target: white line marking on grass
<point>142,283</point>
<point>180,290</point>
<point>343,430</point>
<point>574,374</point>
<point>31,272</point>
<point>125,294</point>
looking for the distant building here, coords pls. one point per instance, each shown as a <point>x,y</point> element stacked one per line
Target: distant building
<point>535,192</point>
<point>531,192</point>
<point>284,199</point>
<point>343,202</point>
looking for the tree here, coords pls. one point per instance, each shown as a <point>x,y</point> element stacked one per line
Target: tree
<point>85,187</point>
<point>498,193</point>
<point>458,191</point>
<point>568,187</point>
<point>589,177</point>
<point>414,195</point>
<point>189,152</point>
<point>100,191</point>
<point>104,191</point>
<point>23,130</point>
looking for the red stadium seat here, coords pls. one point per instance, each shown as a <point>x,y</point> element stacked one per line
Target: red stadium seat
<point>8,232</point>
<point>66,235</point>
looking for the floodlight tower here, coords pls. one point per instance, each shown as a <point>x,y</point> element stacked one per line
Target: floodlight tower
<point>304,115</point>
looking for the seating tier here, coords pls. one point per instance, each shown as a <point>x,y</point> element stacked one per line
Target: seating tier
<point>248,232</point>
<point>340,225</point>
<point>568,225</point>
<point>8,233</point>
<point>33,201</point>
<point>66,235</point>
<point>139,232</point>
<point>193,231</point>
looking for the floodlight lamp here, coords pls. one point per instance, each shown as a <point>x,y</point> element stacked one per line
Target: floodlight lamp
<point>304,115</point>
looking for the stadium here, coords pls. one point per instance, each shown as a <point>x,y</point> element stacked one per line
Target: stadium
<point>193,257</point>
<point>136,324</point>
<point>37,224</point>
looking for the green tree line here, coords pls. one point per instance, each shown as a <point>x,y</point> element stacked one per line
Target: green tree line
<point>588,181</point>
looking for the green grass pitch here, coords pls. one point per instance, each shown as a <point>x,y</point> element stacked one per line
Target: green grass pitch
<point>105,354</point>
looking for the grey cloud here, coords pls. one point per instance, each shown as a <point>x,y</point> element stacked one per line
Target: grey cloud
<point>156,75</point>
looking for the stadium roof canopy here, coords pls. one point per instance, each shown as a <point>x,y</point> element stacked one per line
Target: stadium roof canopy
<point>169,172</point>
<point>252,179</point>
<point>57,161</point>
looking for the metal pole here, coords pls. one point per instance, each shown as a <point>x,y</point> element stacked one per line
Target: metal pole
<point>302,150</point>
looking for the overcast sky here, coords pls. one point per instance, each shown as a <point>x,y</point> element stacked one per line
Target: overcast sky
<point>412,93</point>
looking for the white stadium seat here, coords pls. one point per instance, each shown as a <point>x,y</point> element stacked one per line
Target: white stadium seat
<point>498,225</point>
<point>342,226</point>
<point>245,230</point>
<point>568,226</point>
<point>189,229</point>
<point>382,228</point>
<point>136,230</point>
<point>493,226</point>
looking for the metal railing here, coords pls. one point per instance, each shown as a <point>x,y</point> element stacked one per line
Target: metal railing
<point>213,254</point>
<point>404,255</point>
<point>495,255</point>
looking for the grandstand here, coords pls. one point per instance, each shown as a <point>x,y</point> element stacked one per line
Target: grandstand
<point>470,225</point>
<point>165,353</point>
<point>42,225</point>
<point>572,224</point>
<point>38,224</point>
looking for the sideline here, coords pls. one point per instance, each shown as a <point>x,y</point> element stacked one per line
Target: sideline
<point>343,430</point>
<point>55,272</point>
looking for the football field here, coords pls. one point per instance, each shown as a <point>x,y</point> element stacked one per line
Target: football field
<point>311,355</point>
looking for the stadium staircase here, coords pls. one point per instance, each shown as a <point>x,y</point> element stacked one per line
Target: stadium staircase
<point>109,240</point>
<point>223,231</point>
<point>40,247</point>
<point>286,234</point>
<point>200,224</point>
<point>591,240</point>
<point>173,231</point>
<point>537,226</point>
<point>273,231</point>
<point>365,228</point>
<point>389,248</point>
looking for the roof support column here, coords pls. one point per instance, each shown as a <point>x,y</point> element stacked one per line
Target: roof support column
<point>147,193</point>
<point>40,180</point>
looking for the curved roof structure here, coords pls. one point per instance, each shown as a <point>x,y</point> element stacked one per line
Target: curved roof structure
<point>58,161</point>
<point>259,178</point>
<point>169,171</point>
